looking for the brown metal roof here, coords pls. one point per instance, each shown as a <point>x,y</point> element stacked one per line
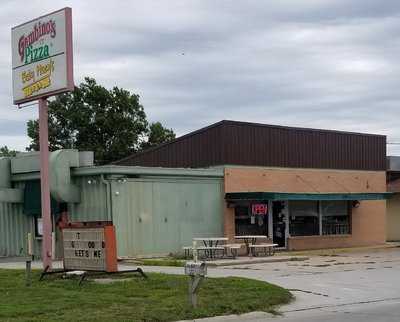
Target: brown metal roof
<point>253,144</point>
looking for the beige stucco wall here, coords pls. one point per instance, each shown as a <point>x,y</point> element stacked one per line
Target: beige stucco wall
<point>393,218</point>
<point>249,179</point>
<point>368,220</point>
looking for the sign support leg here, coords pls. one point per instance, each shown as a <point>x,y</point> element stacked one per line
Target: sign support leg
<point>28,271</point>
<point>192,293</point>
<point>194,283</point>
<point>44,182</point>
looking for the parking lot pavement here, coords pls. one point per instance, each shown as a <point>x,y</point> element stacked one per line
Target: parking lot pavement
<point>331,280</point>
<point>379,311</point>
<point>325,281</point>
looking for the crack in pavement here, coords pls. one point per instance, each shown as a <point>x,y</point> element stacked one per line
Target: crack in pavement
<point>308,292</point>
<point>341,305</point>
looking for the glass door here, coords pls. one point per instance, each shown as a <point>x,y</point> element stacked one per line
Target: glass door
<point>279,223</point>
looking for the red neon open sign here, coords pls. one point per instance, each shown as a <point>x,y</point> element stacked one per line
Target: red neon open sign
<point>259,209</point>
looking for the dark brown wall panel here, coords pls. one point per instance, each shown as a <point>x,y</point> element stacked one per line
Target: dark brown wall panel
<point>239,143</point>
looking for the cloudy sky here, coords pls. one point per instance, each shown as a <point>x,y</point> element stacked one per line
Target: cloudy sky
<point>325,64</point>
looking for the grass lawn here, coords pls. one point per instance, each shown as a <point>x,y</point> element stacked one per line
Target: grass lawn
<point>160,298</point>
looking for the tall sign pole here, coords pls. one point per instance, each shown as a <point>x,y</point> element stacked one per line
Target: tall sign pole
<point>42,67</point>
<point>45,182</point>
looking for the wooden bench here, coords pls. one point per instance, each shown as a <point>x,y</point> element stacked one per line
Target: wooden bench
<point>233,248</point>
<point>210,251</point>
<point>188,250</point>
<point>269,247</point>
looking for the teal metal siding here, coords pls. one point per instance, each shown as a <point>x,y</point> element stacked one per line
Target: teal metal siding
<point>14,229</point>
<point>15,224</point>
<point>93,205</point>
<point>156,215</point>
<point>159,216</point>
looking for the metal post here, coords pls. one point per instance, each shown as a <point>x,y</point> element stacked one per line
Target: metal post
<point>53,246</point>
<point>192,293</point>
<point>287,231</point>
<point>44,182</point>
<point>270,222</point>
<point>320,217</point>
<point>195,254</point>
<point>29,260</point>
<point>30,245</point>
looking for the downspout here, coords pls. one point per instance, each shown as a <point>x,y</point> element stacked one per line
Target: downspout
<point>108,198</point>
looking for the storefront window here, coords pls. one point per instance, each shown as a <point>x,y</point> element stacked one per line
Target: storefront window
<point>304,218</point>
<point>335,217</point>
<point>250,222</point>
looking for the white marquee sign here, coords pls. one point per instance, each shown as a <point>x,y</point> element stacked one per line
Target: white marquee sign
<point>84,249</point>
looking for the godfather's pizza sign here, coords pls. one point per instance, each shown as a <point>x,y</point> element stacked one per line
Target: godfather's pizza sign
<point>91,249</point>
<point>42,56</point>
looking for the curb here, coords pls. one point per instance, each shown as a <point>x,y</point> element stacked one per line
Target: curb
<point>252,316</point>
<point>324,251</point>
<point>258,261</point>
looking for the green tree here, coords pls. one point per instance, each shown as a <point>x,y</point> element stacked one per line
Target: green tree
<point>6,152</point>
<point>157,134</point>
<point>112,123</point>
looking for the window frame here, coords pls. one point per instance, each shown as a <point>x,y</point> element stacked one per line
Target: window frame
<point>349,215</point>
<point>317,208</point>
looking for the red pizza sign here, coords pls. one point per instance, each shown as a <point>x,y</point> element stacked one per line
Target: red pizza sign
<point>259,209</point>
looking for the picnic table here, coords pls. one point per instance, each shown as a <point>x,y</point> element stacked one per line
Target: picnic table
<point>211,241</point>
<point>250,240</point>
<point>211,245</point>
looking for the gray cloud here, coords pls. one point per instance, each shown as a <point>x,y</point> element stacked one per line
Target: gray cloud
<point>328,64</point>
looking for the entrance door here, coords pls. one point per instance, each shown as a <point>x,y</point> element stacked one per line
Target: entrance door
<point>279,223</point>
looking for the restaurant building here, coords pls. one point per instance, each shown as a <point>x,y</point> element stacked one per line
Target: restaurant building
<point>303,188</point>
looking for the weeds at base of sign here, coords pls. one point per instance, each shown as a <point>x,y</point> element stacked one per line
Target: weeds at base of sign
<point>85,274</point>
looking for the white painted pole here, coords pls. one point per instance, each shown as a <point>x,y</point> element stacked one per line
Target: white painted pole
<point>44,183</point>
<point>28,263</point>
<point>30,245</point>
